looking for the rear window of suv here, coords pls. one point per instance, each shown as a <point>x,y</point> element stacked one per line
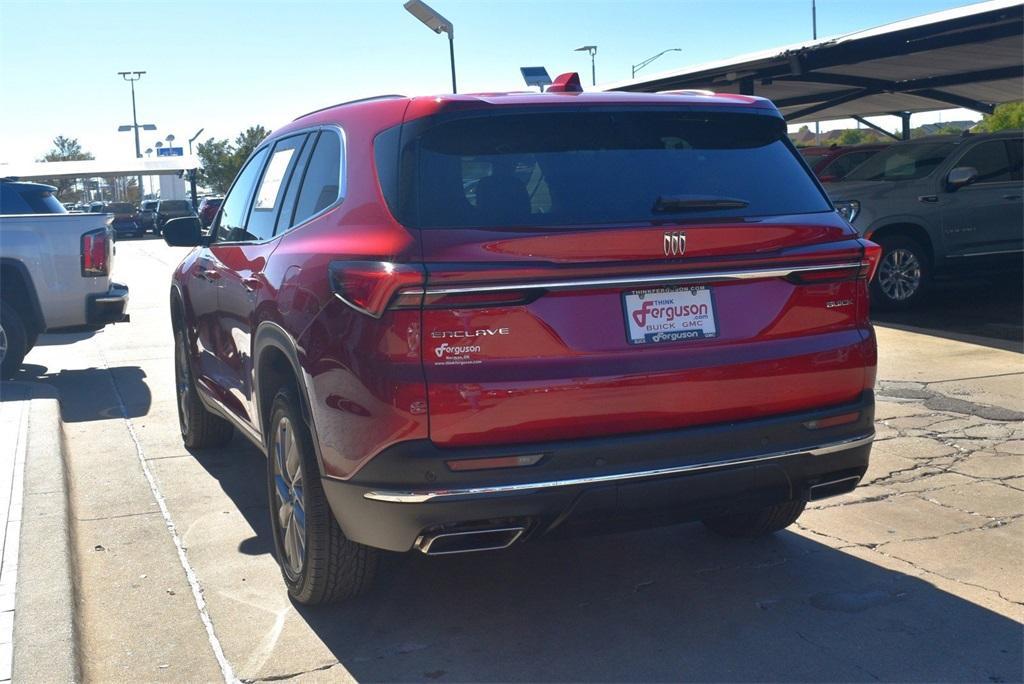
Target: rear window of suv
<point>175,205</point>
<point>120,208</point>
<point>594,167</point>
<point>28,198</point>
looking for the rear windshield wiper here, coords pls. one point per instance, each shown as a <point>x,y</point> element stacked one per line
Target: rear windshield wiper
<point>670,203</point>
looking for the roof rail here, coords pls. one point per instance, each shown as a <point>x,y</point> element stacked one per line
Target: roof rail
<point>363,99</point>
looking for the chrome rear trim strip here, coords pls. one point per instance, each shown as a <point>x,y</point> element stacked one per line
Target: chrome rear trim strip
<point>441,494</point>
<point>699,277</point>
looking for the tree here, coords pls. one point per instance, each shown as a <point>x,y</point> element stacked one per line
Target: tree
<point>65,149</point>
<point>852,136</point>
<point>222,159</point>
<point>1006,116</point>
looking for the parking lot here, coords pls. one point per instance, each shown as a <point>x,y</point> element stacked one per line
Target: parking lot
<point>914,577</point>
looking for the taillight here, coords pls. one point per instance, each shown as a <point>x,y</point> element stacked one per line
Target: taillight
<point>369,286</point>
<point>96,253</point>
<point>471,300</point>
<point>865,268</point>
<point>873,256</point>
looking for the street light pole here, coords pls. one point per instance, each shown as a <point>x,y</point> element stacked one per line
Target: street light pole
<point>132,77</point>
<point>592,50</point>
<point>436,23</point>
<point>192,140</point>
<point>641,65</point>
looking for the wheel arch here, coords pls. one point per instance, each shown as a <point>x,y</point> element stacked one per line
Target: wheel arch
<point>20,293</point>
<point>275,363</point>
<point>914,231</point>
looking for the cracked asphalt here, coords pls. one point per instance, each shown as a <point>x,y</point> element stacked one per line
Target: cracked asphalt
<point>916,576</point>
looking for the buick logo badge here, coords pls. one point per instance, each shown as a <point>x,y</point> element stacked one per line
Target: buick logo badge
<point>675,243</point>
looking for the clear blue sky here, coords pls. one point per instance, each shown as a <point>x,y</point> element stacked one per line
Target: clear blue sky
<point>226,65</point>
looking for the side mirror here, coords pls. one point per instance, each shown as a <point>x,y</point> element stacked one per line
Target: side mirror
<point>961,176</point>
<point>183,232</point>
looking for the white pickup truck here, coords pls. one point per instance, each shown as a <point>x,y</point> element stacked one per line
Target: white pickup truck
<point>54,272</point>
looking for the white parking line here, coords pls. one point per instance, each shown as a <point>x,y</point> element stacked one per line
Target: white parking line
<point>190,575</point>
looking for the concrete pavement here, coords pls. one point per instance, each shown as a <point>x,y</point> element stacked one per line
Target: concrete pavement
<point>914,577</point>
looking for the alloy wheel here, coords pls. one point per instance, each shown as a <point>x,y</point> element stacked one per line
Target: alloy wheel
<point>899,274</point>
<point>288,489</point>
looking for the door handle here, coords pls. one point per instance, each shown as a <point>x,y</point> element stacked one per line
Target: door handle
<point>1011,197</point>
<point>252,284</point>
<point>210,274</point>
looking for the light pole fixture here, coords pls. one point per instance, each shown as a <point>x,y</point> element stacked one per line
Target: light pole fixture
<point>641,65</point>
<point>436,23</point>
<point>592,50</point>
<point>170,139</point>
<point>193,139</point>
<point>132,77</point>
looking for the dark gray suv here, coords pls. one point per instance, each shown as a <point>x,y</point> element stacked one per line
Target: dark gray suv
<point>936,203</point>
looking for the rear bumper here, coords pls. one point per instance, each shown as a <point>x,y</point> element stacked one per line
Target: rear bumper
<point>107,307</point>
<point>604,483</point>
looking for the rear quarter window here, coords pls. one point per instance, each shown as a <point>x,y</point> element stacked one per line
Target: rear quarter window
<point>594,167</point>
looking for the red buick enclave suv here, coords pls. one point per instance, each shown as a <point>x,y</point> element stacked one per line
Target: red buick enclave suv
<point>454,323</point>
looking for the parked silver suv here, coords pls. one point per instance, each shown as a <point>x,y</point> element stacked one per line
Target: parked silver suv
<point>936,203</point>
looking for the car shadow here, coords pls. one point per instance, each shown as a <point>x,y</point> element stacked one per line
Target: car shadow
<point>669,604</point>
<point>985,310</point>
<point>58,339</point>
<point>87,394</point>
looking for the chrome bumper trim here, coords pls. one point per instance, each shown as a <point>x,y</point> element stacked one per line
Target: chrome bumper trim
<point>440,494</point>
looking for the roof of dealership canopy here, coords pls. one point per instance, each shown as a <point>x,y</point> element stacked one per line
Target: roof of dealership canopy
<point>970,57</point>
<point>97,168</point>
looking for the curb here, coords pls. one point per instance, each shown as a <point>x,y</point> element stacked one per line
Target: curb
<point>45,631</point>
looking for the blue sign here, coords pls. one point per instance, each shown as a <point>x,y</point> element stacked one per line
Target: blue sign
<point>170,152</point>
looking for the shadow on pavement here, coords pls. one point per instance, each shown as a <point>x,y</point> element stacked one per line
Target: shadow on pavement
<point>54,339</point>
<point>981,310</point>
<point>87,394</point>
<point>669,604</point>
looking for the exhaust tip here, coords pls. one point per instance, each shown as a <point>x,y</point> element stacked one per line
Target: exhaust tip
<point>468,541</point>
<point>823,490</point>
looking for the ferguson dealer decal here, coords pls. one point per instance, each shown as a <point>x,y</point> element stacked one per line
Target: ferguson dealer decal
<point>463,344</point>
<point>669,315</point>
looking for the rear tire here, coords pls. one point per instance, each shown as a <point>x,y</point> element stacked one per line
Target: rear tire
<point>318,562</point>
<point>757,523</point>
<point>904,274</point>
<point>13,341</point>
<point>200,429</point>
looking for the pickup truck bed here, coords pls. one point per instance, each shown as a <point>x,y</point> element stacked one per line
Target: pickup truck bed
<point>48,282</point>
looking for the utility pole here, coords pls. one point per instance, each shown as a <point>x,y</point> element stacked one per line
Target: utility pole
<point>132,77</point>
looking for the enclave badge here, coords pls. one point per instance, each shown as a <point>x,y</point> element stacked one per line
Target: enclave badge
<point>675,243</point>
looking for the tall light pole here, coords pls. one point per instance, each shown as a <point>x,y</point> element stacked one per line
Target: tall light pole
<point>641,65</point>
<point>132,77</point>
<point>592,50</point>
<point>436,23</point>
<point>193,139</point>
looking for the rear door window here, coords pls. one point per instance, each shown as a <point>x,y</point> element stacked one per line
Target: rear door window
<point>267,203</point>
<point>320,187</point>
<point>600,167</point>
<point>233,213</point>
<point>991,159</point>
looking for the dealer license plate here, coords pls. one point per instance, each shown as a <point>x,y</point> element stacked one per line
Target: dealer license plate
<point>669,314</point>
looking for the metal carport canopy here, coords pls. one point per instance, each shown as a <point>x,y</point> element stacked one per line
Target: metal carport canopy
<point>970,57</point>
<point>96,168</point>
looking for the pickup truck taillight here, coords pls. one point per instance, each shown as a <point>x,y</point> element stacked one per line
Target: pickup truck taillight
<point>96,253</point>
